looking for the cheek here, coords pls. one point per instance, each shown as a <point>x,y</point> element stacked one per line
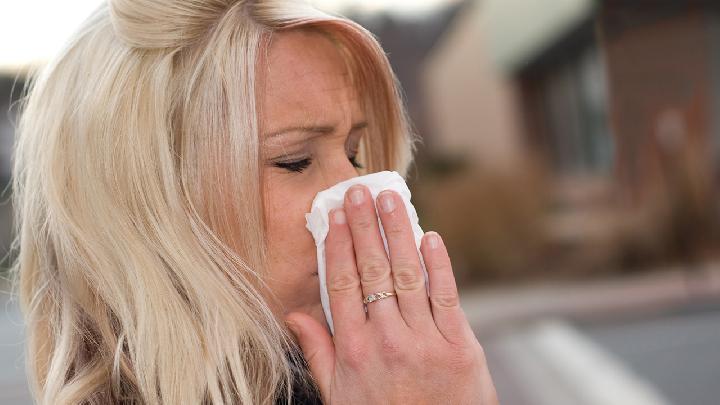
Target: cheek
<point>286,206</point>
<point>286,221</point>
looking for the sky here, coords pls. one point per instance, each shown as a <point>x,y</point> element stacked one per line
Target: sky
<point>33,30</point>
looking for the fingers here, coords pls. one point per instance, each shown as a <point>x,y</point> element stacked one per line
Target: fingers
<point>407,272</point>
<point>343,281</point>
<point>444,300</point>
<point>371,258</point>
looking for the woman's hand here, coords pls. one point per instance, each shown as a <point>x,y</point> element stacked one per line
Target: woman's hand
<point>407,349</point>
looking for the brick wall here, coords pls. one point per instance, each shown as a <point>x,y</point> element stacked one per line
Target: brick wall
<point>660,87</point>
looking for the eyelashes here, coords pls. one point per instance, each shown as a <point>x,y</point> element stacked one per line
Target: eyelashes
<point>296,166</point>
<point>299,165</point>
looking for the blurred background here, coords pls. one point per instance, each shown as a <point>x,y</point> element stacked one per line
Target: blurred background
<point>571,161</point>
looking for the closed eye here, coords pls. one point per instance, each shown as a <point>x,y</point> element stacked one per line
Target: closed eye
<point>296,166</point>
<point>300,165</point>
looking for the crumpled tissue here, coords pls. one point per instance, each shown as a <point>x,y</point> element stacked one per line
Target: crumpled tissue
<point>317,221</point>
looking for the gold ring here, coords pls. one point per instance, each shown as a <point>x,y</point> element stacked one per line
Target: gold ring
<point>377,296</point>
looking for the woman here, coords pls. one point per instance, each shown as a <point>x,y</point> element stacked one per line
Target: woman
<point>164,163</point>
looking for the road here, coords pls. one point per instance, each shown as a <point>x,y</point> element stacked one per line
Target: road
<point>13,387</point>
<point>678,351</point>
<point>667,354</point>
<point>670,357</point>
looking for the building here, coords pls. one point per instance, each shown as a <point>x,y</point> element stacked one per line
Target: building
<point>616,101</point>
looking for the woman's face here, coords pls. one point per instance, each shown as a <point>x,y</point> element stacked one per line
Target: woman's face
<point>311,124</point>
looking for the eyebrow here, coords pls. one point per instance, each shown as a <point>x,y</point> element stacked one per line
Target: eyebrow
<point>316,130</point>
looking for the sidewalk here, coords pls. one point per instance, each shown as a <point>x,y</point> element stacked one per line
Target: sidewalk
<point>550,362</point>
<point>538,357</point>
<point>492,310</point>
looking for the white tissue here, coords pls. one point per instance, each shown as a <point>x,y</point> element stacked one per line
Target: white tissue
<point>333,197</point>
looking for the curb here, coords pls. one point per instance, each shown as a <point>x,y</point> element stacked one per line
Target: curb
<point>492,310</point>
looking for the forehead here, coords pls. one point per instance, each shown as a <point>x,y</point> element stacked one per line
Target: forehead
<point>303,79</point>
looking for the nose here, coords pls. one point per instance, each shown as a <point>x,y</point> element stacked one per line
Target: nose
<point>339,170</point>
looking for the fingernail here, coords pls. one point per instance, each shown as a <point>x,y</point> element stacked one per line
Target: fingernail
<point>357,194</point>
<point>293,327</point>
<point>433,240</point>
<point>387,202</point>
<point>339,216</point>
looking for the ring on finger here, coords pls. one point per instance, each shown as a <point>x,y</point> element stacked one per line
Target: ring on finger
<point>377,296</point>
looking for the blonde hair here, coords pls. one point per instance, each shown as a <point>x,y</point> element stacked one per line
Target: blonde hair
<point>139,212</point>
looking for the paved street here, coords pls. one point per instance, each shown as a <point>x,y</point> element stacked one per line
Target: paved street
<point>654,338</point>
<point>13,388</point>
<point>679,352</point>
<point>664,358</point>
<point>644,343</point>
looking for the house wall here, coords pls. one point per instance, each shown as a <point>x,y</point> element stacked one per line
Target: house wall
<point>660,89</point>
<point>471,104</point>
<point>714,32</point>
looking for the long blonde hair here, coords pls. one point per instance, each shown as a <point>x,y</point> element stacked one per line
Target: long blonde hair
<point>138,197</point>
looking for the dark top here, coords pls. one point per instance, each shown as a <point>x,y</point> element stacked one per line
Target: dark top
<point>302,394</point>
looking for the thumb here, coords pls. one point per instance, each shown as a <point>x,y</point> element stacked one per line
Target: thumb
<point>317,346</point>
